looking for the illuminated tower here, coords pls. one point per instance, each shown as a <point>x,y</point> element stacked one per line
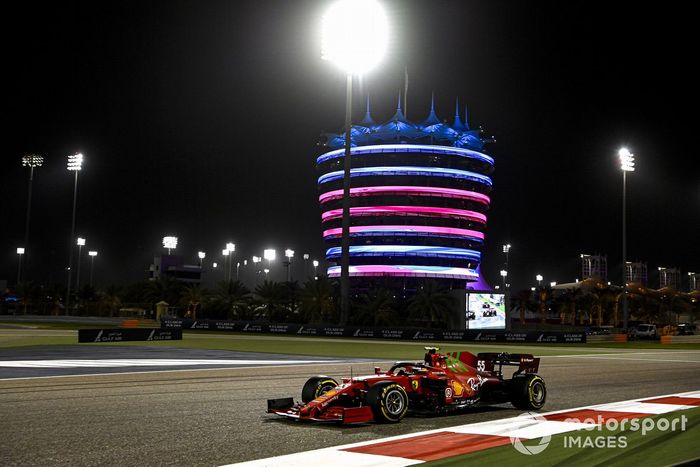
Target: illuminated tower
<point>418,198</point>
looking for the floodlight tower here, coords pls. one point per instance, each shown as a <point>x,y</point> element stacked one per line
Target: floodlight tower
<point>31,161</point>
<point>75,164</point>
<point>81,243</point>
<point>289,254</point>
<point>20,253</point>
<point>539,278</point>
<point>270,255</point>
<point>92,255</point>
<point>354,37</point>
<point>169,243</point>
<point>626,165</point>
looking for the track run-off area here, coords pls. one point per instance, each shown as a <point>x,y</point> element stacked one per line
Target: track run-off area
<point>88,405</point>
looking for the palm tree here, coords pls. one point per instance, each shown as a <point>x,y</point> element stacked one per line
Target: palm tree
<point>377,308</point>
<point>234,298</point>
<point>191,297</point>
<point>111,299</point>
<point>434,304</point>
<point>271,297</point>
<point>545,298</point>
<point>317,305</point>
<point>166,289</point>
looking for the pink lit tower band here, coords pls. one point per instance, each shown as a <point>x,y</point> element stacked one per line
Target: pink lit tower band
<point>418,200</point>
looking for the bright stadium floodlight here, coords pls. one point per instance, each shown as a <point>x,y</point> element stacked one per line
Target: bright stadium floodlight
<point>552,284</point>
<point>626,160</point>
<point>201,255</point>
<point>539,278</point>
<point>270,254</point>
<point>80,241</point>
<point>354,36</point>
<point>231,247</point>
<point>170,243</point>
<point>75,162</point>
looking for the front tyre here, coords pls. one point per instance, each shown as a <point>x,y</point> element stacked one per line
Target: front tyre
<point>388,401</point>
<point>528,392</point>
<point>316,387</point>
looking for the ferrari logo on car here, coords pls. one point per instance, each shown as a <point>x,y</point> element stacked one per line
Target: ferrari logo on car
<point>414,384</point>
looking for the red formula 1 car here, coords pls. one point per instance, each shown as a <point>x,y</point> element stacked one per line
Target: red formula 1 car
<point>440,383</point>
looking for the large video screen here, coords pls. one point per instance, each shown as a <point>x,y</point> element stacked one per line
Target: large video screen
<point>486,310</point>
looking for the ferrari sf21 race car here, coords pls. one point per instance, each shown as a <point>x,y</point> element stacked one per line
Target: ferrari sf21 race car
<point>441,383</point>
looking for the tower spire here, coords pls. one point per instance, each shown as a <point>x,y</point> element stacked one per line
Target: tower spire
<point>367,120</point>
<point>457,125</point>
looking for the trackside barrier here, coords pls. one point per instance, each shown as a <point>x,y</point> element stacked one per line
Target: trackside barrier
<point>620,337</point>
<point>553,337</point>
<point>681,339</point>
<point>129,334</point>
<point>130,323</point>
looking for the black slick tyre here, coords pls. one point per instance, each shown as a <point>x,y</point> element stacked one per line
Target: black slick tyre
<point>388,401</point>
<point>316,387</point>
<point>528,392</point>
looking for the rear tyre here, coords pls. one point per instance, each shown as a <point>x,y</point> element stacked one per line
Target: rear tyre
<point>316,387</point>
<point>388,401</point>
<point>528,392</point>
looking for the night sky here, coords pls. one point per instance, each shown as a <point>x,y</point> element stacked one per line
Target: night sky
<point>200,120</point>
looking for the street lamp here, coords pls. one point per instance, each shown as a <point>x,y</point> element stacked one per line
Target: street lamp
<point>75,164</point>
<point>626,165</point>
<point>226,252</point>
<point>20,252</point>
<point>289,254</point>
<point>315,263</point>
<point>81,244</point>
<point>92,255</point>
<point>504,274</point>
<point>31,161</point>
<point>170,243</point>
<point>270,255</point>
<point>539,279</point>
<point>306,264</point>
<point>231,248</point>
<point>354,37</point>
<point>506,250</point>
<point>201,255</point>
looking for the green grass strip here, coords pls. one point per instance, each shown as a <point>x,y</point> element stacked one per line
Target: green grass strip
<point>614,447</point>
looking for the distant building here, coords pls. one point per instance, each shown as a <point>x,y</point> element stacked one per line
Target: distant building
<point>670,277</point>
<point>636,272</point>
<point>174,266</point>
<point>419,193</point>
<point>594,267</point>
<point>693,281</point>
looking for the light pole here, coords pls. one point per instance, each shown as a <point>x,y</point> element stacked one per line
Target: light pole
<point>354,37</point>
<point>31,161</point>
<point>92,255</point>
<point>504,274</point>
<point>306,265</point>
<point>226,254</point>
<point>169,243</point>
<point>75,164</point>
<point>256,260</point>
<point>539,278</point>
<point>81,244</point>
<point>626,165</point>
<point>289,254</point>
<point>20,253</point>
<point>201,255</point>
<point>231,247</point>
<point>270,255</point>
<point>315,269</point>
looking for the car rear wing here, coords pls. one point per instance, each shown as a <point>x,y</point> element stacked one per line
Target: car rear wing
<point>494,362</point>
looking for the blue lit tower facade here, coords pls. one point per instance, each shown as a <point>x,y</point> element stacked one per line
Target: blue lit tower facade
<point>418,200</point>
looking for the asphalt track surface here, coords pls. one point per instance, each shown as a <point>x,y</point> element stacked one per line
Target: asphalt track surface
<point>212,416</point>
